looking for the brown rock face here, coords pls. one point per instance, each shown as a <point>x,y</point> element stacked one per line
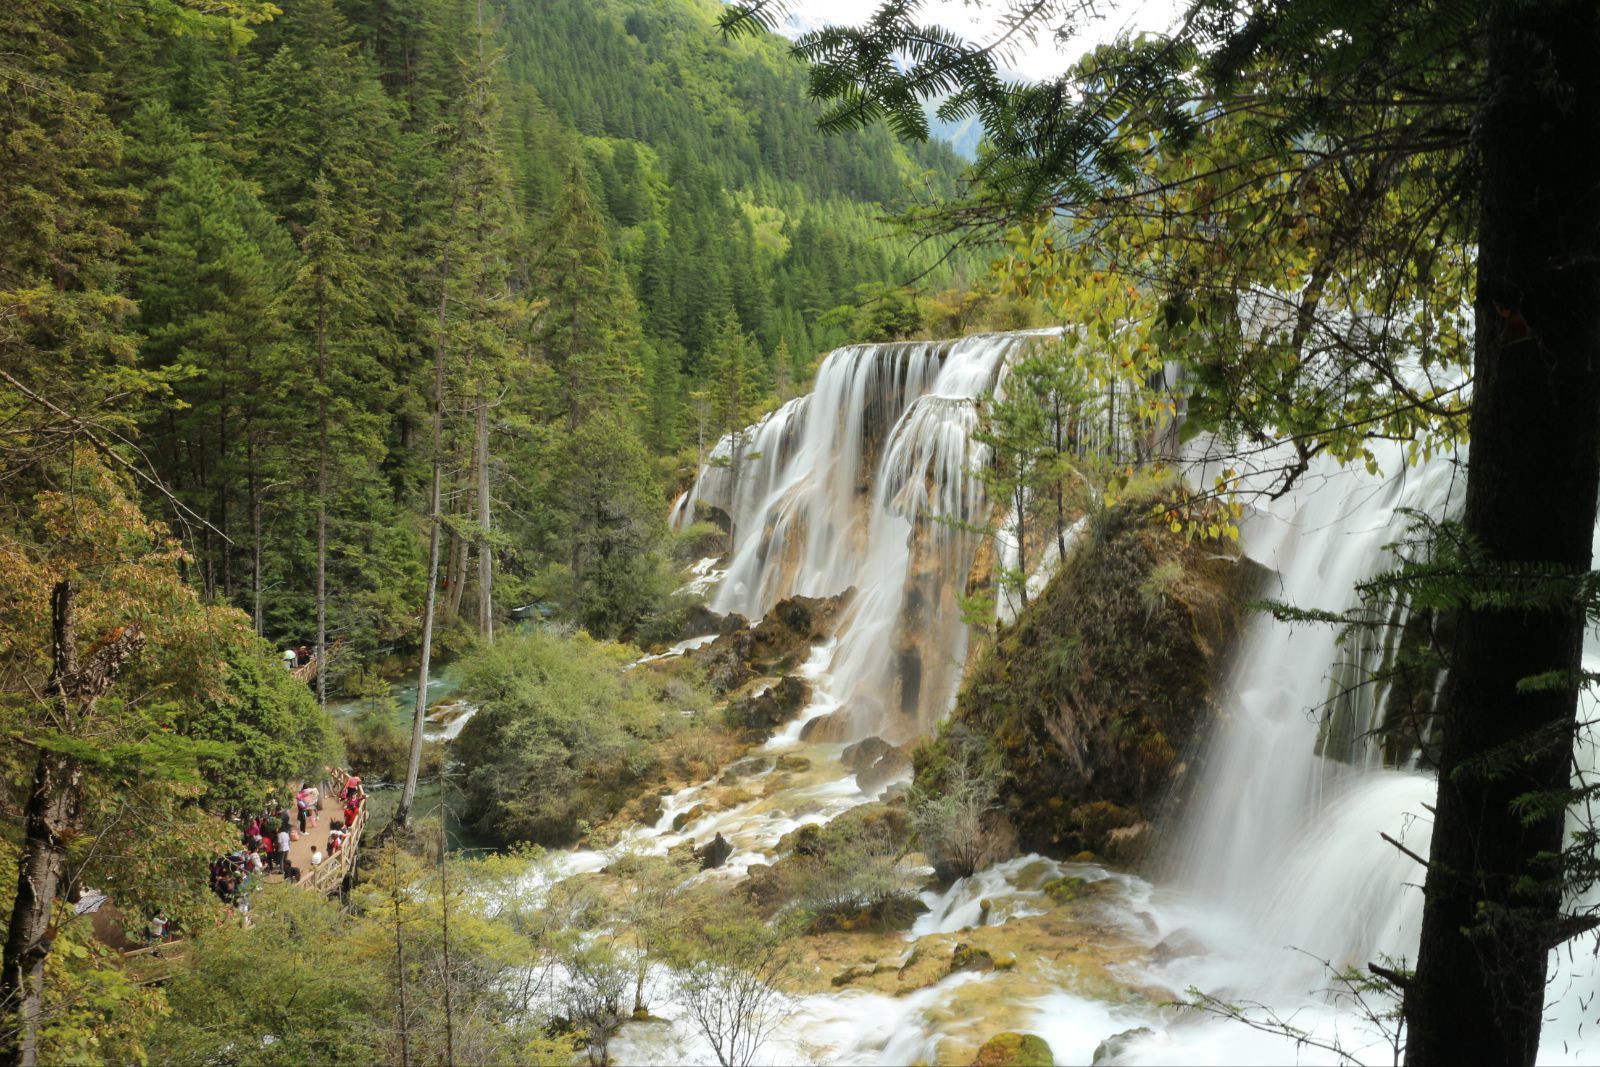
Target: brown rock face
<point>777,644</point>
<point>1088,702</point>
<point>757,716</point>
<point>714,854</point>
<point>830,727</point>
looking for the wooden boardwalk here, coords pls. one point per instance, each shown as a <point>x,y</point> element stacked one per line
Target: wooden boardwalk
<point>153,964</point>
<point>329,876</point>
<point>306,673</point>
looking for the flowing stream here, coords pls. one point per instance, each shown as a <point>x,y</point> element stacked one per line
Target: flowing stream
<point>1276,872</point>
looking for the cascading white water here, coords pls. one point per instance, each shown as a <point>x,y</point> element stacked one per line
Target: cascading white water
<point>1277,864</point>
<point>866,483</point>
<point>1264,786</point>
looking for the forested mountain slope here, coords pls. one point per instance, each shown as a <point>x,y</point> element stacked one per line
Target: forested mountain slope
<point>591,235</point>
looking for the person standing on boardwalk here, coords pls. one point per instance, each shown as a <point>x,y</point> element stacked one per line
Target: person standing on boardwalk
<point>306,803</point>
<point>283,848</point>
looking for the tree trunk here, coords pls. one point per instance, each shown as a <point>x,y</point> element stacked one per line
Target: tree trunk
<point>1492,899</point>
<point>224,491</point>
<point>444,926</point>
<point>485,553</point>
<point>51,814</point>
<point>1021,497</point>
<point>1058,479</point>
<point>456,566</point>
<point>49,822</point>
<point>400,982</point>
<point>402,814</point>
<point>255,540</point>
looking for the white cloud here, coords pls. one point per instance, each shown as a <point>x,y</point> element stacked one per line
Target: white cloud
<point>1036,60</point>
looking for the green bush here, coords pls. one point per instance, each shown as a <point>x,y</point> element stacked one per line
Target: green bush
<point>268,727</point>
<point>563,734</point>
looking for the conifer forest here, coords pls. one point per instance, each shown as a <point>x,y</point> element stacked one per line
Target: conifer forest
<point>731,532</point>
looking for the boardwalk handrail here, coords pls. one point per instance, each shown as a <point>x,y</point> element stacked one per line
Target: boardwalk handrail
<point>307,672</point>
<point>329,876</point>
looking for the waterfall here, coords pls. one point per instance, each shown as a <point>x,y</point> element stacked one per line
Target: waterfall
<point>867,483</point>
<point>1274,866</point>
<point>1266,796</point>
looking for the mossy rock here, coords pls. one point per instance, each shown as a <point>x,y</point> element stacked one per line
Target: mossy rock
<point>777,644</point>
<point>684,818</point>
<point>1067,889</point>
<point>757,716</point>
<point>1115,1045</point>
<point>1012,1049</point>
<point>970,958</point>
<point>893,914</point>
<point>793,764</point>
<point>1086,703</point>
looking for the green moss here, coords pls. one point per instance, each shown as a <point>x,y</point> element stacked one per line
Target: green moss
<point>970,958</point>
<point>1084,706</point>
<point>1062,890</point>
<point>1012,1049</point>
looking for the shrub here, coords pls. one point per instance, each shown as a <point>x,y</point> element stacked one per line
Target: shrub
<point>564,732</point>
<point>952,823</point>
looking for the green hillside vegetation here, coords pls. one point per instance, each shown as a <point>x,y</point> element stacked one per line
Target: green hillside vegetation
<point>571,211</point>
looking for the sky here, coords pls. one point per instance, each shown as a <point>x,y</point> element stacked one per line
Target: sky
<point>1041,59</point>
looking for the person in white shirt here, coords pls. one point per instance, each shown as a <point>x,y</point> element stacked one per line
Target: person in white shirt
<point>289,659</point>
<point>316,856</point>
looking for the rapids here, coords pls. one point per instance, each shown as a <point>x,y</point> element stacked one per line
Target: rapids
<point>1276,874</point>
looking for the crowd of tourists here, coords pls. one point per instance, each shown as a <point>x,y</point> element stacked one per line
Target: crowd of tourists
<point>267,837</point>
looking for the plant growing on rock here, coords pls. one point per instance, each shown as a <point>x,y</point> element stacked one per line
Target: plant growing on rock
<point>597,981</point>
<point>952,823</point>
<point>849,875</point>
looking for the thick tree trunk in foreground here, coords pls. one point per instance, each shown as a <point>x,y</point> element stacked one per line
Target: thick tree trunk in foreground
<point>49,822</point>
<point>1493,908</point>
<point>52,813</point>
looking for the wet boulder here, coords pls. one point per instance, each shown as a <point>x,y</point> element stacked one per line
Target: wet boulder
<point>825,728</point>
<point>891,765</point>
<point>685,818</point>
<point>1112,1048</point>
<point>756,716</point>
<point>777,644</point>
<point>864,753</point>
<point>739,770</point>
<point>1012,1049</point>
<point>970,958</point>
<point>698,621</point>
<point>715,853</point>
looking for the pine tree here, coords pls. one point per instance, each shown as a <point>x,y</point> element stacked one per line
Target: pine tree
<point>477,315</point>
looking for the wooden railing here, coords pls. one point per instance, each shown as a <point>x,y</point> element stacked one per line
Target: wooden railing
<point>306,672</point>
<point>329,876</point>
